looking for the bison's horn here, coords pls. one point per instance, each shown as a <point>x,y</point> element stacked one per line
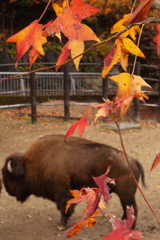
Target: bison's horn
<point>9,167</point>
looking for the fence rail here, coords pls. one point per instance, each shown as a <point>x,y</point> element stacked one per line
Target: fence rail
<point>51,83</point>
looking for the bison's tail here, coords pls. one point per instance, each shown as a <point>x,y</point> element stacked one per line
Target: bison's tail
<point>142,172</point>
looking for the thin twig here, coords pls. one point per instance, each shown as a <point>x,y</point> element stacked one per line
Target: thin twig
<point>134,64</point>
<point>133,6</point>
<point>132,174</point>
<point>44,10</point>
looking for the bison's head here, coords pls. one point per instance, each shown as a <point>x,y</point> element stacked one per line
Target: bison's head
<point>13,177</point>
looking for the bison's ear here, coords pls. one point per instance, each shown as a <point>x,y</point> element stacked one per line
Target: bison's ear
<point>14,165</point>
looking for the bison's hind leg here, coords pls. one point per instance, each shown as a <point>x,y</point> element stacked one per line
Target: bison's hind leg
<point>125,201</point>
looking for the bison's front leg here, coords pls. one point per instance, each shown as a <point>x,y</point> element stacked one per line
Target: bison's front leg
<point>61,205</point>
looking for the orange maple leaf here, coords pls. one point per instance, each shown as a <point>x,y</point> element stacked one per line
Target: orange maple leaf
<point>69,20</point>
<point>157,38</point>
<point>29,36</point>
<point>88,215</point>
<point>140,13</point>
<point>119,53</point>
<point>77,46</point>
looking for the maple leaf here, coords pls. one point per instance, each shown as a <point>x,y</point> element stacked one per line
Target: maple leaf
<point>93,198</point>
<point>104,109</point>
<point>130,46</point>
<point>117,27</point>
<point>112,107</point>
<point>88,214</point>
<point>119,53</point>
<point>103,189</point>
<point>157,38</point>
<point>33,54</point>
<point>81,124</point>
<point>121,229</point>
<point>140,13</point>
<point>58,10</point>
<point>77,46</point>
<point>156,162</point>
<point>69,20</point>
<point>129,85</point>
<point>111,59</point>
<point>27,37</point>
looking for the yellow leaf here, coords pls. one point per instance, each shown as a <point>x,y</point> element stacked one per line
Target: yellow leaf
<point>117,27</point>
<point>124,61</point>
<point>129,45</point>
<point>124,84</point>
<point>64,4</point>
<point>124,90</point>
<point>137,83</point>
<point>132,32</point>
<point>58,10</point>
<point>76,47</point>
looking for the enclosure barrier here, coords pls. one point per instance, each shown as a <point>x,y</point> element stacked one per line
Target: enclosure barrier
<point>69,83</point>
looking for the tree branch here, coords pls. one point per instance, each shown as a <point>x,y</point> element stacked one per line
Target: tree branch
<point>145,22</point>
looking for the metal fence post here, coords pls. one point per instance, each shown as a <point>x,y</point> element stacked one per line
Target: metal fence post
<point>66,92</point>
<point>33,97</point>
<point>136,101</point>
<point>105,87</point>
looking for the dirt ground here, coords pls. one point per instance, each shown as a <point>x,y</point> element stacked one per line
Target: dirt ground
<point>36,219</point>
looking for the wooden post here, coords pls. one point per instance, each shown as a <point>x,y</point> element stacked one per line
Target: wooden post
<point>159,98</point>
<point>105,87</point>
<point>66,92</point>
<point>33,97</point>
<point>136,101</point>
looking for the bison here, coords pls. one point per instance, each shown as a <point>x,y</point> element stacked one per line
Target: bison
<point>50,168</point>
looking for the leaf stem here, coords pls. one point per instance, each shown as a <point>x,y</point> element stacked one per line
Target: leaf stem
<point>132,174</point>
<point>44,10</point>
<point>134,64</point>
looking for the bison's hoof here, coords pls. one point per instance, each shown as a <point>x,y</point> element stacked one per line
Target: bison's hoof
<point>61,226</point>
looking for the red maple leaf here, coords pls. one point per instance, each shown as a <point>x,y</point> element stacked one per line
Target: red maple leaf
<point>157,38</point>
<point>81,124</point>
<point>69,20</point>
<point>121,229</point>
<point>103,189</point>
<point>140,13</point>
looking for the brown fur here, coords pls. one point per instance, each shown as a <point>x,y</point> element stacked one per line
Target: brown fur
<point>50,168</point>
